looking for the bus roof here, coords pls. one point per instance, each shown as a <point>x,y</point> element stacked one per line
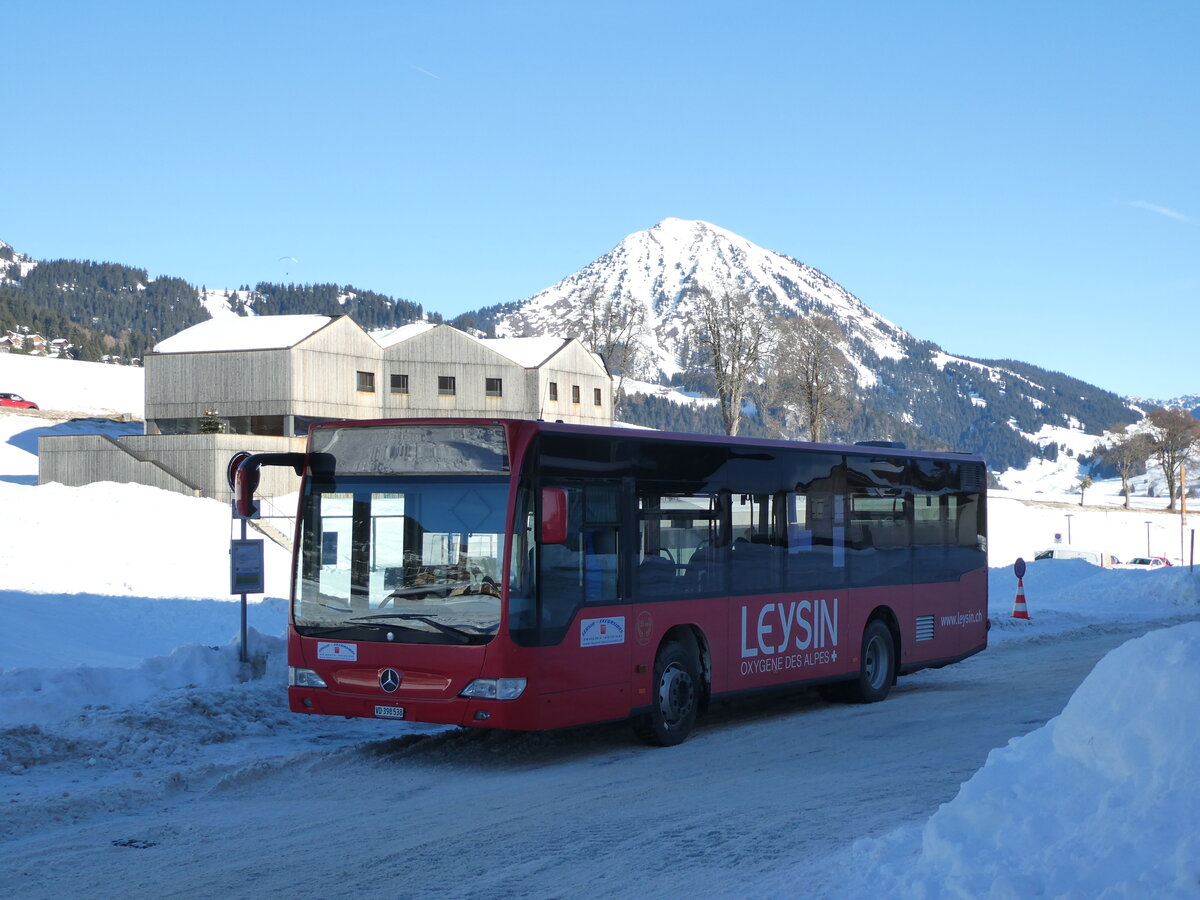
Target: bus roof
<point>618,431</point>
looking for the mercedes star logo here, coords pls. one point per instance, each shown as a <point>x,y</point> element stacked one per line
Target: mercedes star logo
<point>389,680</point>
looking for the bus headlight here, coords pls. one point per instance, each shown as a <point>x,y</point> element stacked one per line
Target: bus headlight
<point>304,678</point>
<point>495,688</point>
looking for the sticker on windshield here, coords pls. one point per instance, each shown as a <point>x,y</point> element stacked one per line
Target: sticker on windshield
<point>337,650</point>
<point>597,632</point>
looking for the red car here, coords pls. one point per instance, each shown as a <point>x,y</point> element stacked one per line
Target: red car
<point>16,401</point>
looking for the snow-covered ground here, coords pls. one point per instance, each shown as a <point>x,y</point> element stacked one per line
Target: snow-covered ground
<point>71,386</point>
<point>120,682</point>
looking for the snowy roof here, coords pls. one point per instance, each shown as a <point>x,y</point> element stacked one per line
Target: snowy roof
<point>394,336</point>
<point>277,332</point>
<point>243,333</point>
<point>527,352</point>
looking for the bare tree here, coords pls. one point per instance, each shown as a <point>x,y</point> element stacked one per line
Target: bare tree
<point>732,331</point>
<point>1174,435</point>
<point>1084,483</point>
<point>614,335</point>
<point>807,387</point>
<point>1127,453</point>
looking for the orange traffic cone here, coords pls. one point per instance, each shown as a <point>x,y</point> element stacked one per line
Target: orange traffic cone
<point>1019,610</point>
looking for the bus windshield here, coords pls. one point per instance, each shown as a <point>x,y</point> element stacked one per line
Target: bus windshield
<point>417,559</point>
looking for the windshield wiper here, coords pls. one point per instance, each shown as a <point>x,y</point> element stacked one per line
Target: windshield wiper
<point>465,635</point>
<point>320,630</point>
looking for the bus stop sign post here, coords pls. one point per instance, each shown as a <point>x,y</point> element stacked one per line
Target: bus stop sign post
<point>245,576</point>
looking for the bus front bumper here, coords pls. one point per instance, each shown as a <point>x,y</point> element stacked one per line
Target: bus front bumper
<point>520,714</point>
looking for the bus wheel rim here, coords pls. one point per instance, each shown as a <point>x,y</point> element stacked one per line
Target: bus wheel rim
<point>676,694</point>
<point>873,663</point>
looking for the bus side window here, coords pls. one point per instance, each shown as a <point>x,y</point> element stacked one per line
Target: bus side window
<point>678,552</point>
<point>655,571</point>
<point>815,540</point>
<point>933,523</point>
<point>757,552</point>
<point>969,538</point>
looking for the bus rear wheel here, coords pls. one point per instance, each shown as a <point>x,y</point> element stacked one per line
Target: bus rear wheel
<point>676,698</point>
<point>878,665</point>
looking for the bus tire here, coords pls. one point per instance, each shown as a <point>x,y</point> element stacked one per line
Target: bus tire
<point>676,699</point>
<point>877,667</point>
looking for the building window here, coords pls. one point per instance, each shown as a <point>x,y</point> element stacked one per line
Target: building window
<point>493,387</point>
<point>597,397</point>
<point>554,391</point>
<point>399,384</point>
<point>574,393</point>
<point>446,386</point>
<point>366,381</point>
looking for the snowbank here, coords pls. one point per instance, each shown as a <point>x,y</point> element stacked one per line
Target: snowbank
<point>1064,595</point>
<point>122,540</point>
<point>47,696</point>
<point>1104,801</point>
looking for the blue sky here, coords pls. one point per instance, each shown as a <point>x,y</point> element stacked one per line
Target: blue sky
<point>1013,180</point>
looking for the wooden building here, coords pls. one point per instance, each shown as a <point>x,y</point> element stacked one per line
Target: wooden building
<point>277,375</point>
<point>258,383</point>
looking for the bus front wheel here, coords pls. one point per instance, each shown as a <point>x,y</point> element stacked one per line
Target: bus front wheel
<point>878,667</point>
<point>676,699</point>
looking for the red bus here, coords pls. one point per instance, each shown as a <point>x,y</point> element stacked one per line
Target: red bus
<point>529,575</point>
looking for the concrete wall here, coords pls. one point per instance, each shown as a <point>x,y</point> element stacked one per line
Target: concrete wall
<point>76,460</point>
<point>187,463</point>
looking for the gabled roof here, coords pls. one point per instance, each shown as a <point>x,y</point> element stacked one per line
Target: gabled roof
<point>390,338</point>
<point>283,332</point>
<point>243,333</point>
<point>529,352</point>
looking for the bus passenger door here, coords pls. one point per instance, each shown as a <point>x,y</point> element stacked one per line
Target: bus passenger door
<point>585,675</point>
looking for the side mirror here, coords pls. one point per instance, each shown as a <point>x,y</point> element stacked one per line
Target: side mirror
<point>243,484</point>
<point>554,516</point>
<point>243,475</point>
<point>245,481</point>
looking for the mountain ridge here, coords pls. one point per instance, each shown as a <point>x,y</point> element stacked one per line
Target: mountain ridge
<point>908,389</point>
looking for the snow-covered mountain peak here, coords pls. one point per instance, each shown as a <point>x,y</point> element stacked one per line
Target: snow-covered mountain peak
<point>658,274</point>
<point>13,265</point>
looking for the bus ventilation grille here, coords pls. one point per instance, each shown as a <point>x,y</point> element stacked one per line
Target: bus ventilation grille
<point>924,628</point>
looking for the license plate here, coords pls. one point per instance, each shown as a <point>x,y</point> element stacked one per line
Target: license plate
<point>389,712</point>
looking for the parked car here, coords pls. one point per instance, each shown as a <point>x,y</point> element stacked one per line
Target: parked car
<point>16,401</point>
<point>1148,562</point>
<point>1095,557</point>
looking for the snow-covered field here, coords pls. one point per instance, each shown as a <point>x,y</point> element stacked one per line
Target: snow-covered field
<point>120,688</point>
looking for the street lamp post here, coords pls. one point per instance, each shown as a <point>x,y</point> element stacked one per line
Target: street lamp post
<point>1069,528</point>
<point>1147,537</point>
